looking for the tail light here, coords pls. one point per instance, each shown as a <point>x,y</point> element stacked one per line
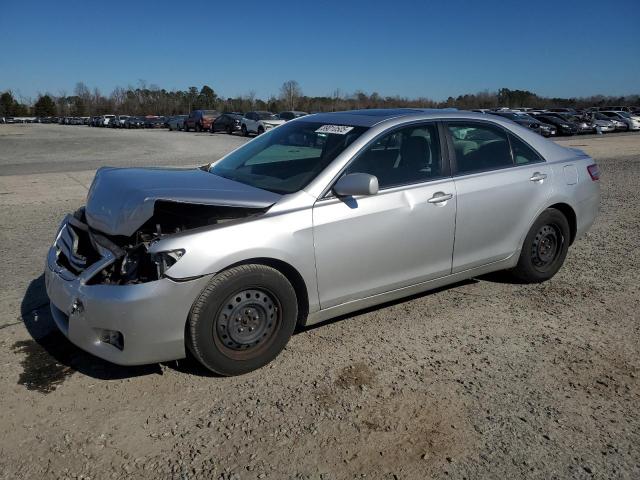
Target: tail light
<point>594,172</point>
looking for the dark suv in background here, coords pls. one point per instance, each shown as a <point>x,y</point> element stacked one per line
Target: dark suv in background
<point>200,120</point>
<point>227,122</point>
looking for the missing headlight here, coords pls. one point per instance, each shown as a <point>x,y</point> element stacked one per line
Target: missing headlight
<point>165,260</point>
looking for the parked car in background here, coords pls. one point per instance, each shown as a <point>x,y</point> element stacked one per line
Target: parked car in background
<point>520,118</point>
<point>601,122</point>
<point>584,125</point>
<point>291,114</point>
<point>105,120</point>
<point>619,108</point>
<point>134,122</point>
<point>562,110</point>
<point>259,122</point>
<point>118,121</point>
<point>227,122</point>
<point>200,120</point>
<point>631,121</point>
<point>153,121</point>
<point>330,214</point>
<point>619,125</point>
<point>564,127</point>
<point>176,122</point>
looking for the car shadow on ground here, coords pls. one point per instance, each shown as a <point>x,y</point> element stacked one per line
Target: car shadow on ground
<point>387,304</point>
<point>49,358</point>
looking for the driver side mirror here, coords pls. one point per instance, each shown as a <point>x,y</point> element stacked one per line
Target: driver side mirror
<point>354,184</point>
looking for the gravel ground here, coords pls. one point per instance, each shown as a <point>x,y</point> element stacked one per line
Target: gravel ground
<point>484,379</point>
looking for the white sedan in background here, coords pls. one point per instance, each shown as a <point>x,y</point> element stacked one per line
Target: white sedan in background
<point>632,121</point>
<point>259,122</point>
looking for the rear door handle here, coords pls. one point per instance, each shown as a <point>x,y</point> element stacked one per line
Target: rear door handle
<point>538,177</point>
<point>440,197</point>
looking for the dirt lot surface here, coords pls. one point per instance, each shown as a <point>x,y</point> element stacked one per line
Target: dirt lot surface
<point>484,379</point>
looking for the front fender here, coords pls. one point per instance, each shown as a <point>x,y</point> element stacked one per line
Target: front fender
<point>287,237</point>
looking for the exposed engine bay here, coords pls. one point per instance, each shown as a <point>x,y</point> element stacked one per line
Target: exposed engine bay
<point>133,263</point>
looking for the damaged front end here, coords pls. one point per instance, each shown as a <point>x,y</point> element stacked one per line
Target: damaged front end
<point>126,260</point>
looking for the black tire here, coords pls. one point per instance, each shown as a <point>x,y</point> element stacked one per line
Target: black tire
<point>242,320</point>
<point>198,127</point>
<point>229,130</point>
<point>186,127</point>
<point>545,248</point>
<point>260,130</point>
<point>245,132</point>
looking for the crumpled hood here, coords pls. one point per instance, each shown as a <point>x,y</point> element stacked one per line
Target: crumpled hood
<point>121,200</point>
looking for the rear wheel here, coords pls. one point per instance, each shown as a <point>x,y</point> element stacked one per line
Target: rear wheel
<point>245,132</point>
<point>545,248</point>
<point>242,320</point>
<point>260,130</point>
<point>229,130</point>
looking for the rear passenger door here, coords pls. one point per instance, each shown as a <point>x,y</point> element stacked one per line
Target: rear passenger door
<point>401,236</point>
<point>501,183</point>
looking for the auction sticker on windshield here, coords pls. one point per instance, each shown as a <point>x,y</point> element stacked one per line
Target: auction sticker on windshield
<point>336,129</point>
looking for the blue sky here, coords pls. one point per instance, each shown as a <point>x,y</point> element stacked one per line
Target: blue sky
<point>409,48</point>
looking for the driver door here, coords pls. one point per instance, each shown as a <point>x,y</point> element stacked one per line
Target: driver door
<point>401,236</point>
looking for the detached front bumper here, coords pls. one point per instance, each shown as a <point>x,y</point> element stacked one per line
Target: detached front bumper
<point>149,317</point>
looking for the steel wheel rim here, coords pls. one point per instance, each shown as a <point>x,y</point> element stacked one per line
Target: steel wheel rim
<point>247,323</point>
<point>546,246</point>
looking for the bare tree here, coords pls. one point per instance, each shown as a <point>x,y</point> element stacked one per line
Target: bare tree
<point>290,93</point>
<point>251,98</point>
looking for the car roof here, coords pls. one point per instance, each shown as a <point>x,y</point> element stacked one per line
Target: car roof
<point>371,117</point>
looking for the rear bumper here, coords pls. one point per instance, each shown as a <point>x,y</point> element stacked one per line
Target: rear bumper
<point>587,211</point>
<point>150,317</point>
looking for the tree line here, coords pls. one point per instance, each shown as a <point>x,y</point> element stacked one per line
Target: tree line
<point>153,100</point>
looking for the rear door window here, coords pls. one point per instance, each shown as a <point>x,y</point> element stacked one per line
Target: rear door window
<point>479,147</point>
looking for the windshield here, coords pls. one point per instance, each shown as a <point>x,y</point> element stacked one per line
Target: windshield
<point>285,159</point>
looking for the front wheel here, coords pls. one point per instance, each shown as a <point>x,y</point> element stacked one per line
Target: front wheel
<point>242,320</point>
<point>245,132</point>
<point>544,248</point>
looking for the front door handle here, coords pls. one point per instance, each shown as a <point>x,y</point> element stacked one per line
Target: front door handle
<point>538,177</point>
<point>440,197</point>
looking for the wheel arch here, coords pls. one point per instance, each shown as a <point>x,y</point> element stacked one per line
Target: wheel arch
<point>294,277</point>
<point>570,214</point>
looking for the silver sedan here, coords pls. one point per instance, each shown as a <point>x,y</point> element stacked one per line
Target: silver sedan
<point>176,122</point>
<point>322,216</point>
